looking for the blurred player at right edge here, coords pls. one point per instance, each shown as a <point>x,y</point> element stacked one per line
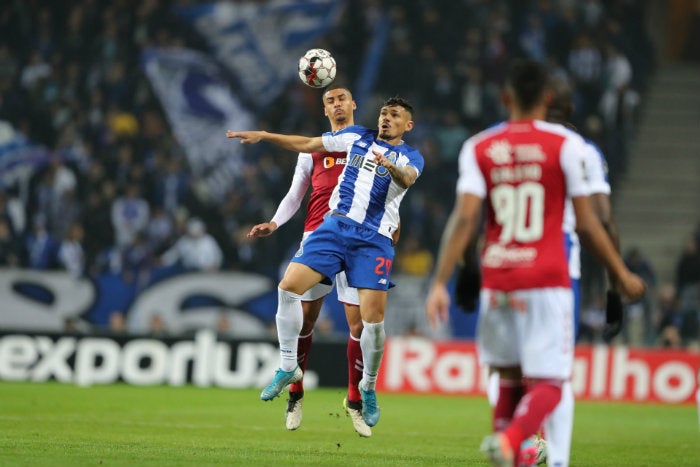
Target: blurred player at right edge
<point>559,425</point>
<point>522,172</point>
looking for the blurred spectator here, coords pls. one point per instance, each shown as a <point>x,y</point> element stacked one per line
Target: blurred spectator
<point>618,107</point>
<point>9,247</point>
<point>172,186</point>
<point>97,221</point>
<point>451,135</point>
<point>160,231</point>
<point>639,327</point>
<point>679,317</point>
<point>117,322</point>
<point>130,215</point>
<point>413,259</point>
<point>40,246</point>
<point>71,255</point>
<point>688,265</point>
<point>12,209</point>
<point>156,326</point>
<point>670,318</point>
<point>67,211</point>
<point>532,39</point>
<point>585,64</point>
<point>196,250</point>
<point>592,322</point>
<point>137,261</point>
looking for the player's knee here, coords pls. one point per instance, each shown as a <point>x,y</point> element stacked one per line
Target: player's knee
<point>355,329</point>
<point>291,287</point>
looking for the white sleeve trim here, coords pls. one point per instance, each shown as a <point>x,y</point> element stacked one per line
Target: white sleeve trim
<point>471,179</point>
<point>291,202</point>
<point>572,160</point>
<point>596,170</point>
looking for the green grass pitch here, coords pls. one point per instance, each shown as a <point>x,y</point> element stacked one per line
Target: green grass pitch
<point>64,425</point>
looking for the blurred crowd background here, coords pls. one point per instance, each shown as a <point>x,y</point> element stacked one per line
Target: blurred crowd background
<point>123,201</point>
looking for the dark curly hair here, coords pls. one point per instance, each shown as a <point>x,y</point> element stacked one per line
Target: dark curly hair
<point>399,101</point>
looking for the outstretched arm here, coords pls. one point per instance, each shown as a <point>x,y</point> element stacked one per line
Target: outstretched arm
<point>291,142</point>
<point>291,202</point>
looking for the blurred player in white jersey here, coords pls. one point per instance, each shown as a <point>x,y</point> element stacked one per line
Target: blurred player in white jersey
<point>522,172</point>
<point>559,425</point>
<point>355,237</point>
<point>321,170</point>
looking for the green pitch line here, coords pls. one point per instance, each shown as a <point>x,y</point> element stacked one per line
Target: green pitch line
<point>109,426</point>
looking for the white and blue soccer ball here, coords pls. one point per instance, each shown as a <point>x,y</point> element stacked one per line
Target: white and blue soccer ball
<point>317,68</point>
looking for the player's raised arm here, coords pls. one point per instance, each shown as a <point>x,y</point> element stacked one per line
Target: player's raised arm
<point>291,142</point>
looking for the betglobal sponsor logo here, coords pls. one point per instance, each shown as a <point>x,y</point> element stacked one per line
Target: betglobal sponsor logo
<point>600,372</point>
<point>202,361</point>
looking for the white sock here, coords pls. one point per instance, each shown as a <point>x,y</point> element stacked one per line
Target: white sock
<point>290,319</point>
<point>372,344</point>
<point>558,428</point>
<point>492,388</point>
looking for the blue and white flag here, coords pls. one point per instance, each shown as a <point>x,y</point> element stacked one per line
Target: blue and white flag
<point>260,42</point>
<point>200,107</point>
<point>19,157</point>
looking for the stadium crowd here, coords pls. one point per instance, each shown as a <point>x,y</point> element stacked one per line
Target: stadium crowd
<point>70,79</point>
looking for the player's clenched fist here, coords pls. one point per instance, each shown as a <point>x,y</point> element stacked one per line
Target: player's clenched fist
<point>632,286</point>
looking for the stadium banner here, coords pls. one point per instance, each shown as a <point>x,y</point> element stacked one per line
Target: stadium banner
<point>53,301</point>
<point>203,359</point>
<point>415,364</point>
<point>200,107</point>
<point>411,365</point>
<point>239,36</point>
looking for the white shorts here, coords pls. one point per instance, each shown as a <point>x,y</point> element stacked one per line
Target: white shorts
<point>531,328</point>
<point>346,294</point>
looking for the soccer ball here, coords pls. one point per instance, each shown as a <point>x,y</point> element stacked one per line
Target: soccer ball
<point>317,68</point>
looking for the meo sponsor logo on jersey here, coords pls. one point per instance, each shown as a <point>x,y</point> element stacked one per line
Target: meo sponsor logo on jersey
<point>361,162</point>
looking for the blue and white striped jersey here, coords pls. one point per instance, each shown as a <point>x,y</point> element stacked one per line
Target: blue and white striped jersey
<point>366,193</point>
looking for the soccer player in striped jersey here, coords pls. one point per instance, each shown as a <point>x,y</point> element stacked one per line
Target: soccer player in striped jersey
<point>523,172</point>
<point>320,171</point>
<point>356,236</point>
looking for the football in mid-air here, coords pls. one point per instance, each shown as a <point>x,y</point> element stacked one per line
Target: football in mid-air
<point>317,68</point>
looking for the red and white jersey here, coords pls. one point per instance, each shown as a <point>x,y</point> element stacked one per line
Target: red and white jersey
<point>321,171</point>
<point>525,170</point>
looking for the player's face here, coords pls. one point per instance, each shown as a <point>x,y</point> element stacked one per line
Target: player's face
<point>394,121</point>
<point>338,106</point>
